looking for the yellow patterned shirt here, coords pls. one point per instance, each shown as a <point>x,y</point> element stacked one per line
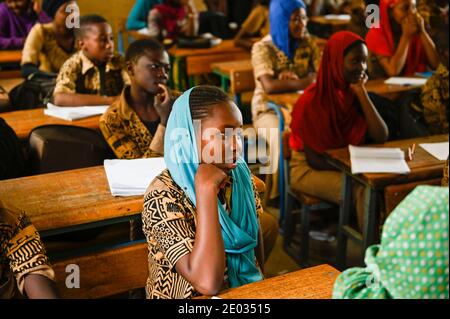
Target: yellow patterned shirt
<point>41,48</point>
<point>127,135</point>
<point>80,75</point>
<point>21,252</point>
<point>169,222</point>
<point>268,59</point>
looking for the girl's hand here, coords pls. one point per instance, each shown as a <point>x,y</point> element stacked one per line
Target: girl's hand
<point>420,22</point>
<point>410,26</point>
<point>163,104</point>
<point>360,85</point>
<point>210,177</point>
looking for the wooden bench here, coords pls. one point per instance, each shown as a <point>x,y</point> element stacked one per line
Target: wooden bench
<point>106,273</point>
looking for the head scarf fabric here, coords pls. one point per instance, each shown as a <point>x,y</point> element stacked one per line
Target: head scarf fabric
<point>412,260</point>
<point>325,117</point>
<point>280,12</point>
<point>50,7</point>
<point>380,41</point>
<point>240,228</point>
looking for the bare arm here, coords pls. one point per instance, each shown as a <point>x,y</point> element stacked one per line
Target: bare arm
<point>272,85</point>
<point>428,44</point>
<point>40,287</point>
<point>76,99</point>
<point>204,267</point>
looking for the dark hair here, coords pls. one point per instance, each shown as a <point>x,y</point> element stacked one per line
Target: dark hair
<point>264,2</point>
<point>203,97</point>
<point>353,45</point>
<point>86,22</point>
<point>141,47</point>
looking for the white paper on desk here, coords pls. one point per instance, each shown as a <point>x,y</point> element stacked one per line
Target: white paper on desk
<point>406,81</point>
<point>377,160</point>
<point>438,150</point>
<point>132,177</point>
<point>343,17</point>
<point>74,112</point>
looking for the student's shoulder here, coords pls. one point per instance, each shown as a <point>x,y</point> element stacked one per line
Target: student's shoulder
<point>73,63</point>
<point>12,218</point>
<point>111,113</point>
<point>163,185</point>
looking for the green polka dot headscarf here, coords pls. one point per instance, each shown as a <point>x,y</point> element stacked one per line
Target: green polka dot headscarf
<point>412,260</point>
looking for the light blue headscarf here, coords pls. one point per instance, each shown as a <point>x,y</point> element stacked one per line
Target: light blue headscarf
<point>240,228</point>
<point>279,15</point>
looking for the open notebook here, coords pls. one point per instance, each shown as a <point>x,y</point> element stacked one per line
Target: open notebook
<point>75,112</point>
<point>132,177</point>
<point>377,160</point>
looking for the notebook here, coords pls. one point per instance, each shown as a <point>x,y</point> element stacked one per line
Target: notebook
<point>132,177</point>
<point>74,112</point>
<point>377,160</point>
<point>438,150</point>
<point>344,17</point>
<point>406,81</point>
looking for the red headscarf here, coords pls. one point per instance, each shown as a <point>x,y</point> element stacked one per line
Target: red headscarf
<point>324,117</point>
<point>171,15</point>
<point>381,42</point>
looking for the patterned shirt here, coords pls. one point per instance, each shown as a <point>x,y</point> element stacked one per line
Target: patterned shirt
<point>268,59</point>
<point>41,48</point>
<point>169,223</point>
<point>127,135</point>
<point>21,252</point>
<point>80,75</point>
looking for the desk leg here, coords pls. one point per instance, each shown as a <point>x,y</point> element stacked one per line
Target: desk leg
<point>344,219</point>
<point>370,218</point>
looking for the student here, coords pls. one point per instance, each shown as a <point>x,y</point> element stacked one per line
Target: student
<point>200,215</point>
<point>333,113</point>
<point>24,266</point>
<point>134,125</point>
<point>17,17</point>
<point>172,19</point>
<point>284,61</point>
<point>256,25</point>
<point>49,45</point>
<point>138,16</point>
<point>412,260</point>
<point>94,75</point>
<point>400,46</point>
<point>324,7</point>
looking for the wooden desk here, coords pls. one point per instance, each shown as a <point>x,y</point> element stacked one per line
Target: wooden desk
<point>23,122</point>
<point>331,25</point>
<point>65,200</point>
<point>311,283</point>
<point>10,57</point>
<point>9,83</point>
<point>187,62</point>
<point>423,167</point>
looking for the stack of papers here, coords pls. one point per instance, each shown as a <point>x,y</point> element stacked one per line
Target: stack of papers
<point>75,112</point>
<point>438,150</point>
<point>344,17</point>
<point>132,177</point>
<point>406,81</point>
<point>377,160</point>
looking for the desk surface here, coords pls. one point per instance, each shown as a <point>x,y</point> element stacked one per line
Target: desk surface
<point>9,83</point>
<point>233,66</point>
<point>324,21</point>
<point>23,122</point>
<point>7,56</point>
<point>310,283</point>
<point>423,166</point>
<point>226,46</point>
<point>68,198</point>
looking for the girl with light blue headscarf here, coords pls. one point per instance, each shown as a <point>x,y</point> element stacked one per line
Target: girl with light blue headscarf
<point>200,219</point>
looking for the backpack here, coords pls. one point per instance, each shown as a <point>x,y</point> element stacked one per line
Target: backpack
<point>36,91</point>
<point>12,161</point>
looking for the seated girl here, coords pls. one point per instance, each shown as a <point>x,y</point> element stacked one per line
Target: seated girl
<point>200,215</point>
<point>24,267</point>
<point>49,45</point>
<point>256,25</point>
<point>17,17</point>
<point>400,46</point>
<point>172,19</point>
<point>333,113</point>
<point>284,61</point>
<point>412,260</point>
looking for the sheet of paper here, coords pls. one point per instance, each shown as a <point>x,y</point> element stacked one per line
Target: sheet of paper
<point>377,160</point>
<point>344,17</point>
<point>75,112</point>
<point>438,150</point>
<point>132,177</point>
<point>406,81</point>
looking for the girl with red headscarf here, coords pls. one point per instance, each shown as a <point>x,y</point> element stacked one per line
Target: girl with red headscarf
<point>332,113</point>
<point>401,44</point>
